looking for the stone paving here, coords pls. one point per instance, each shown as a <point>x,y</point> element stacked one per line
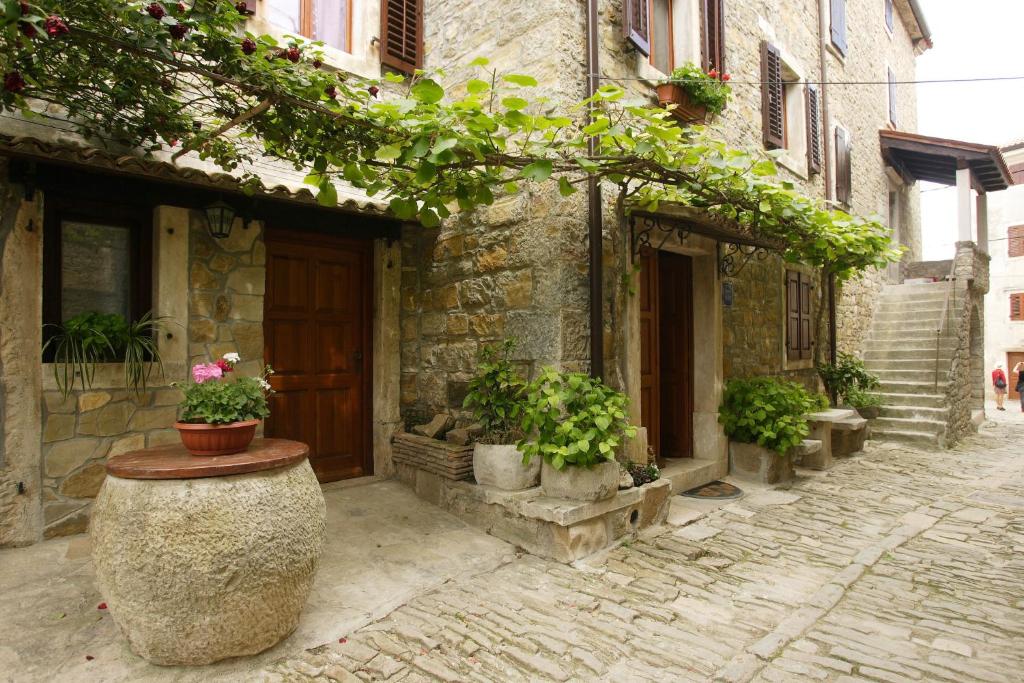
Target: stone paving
<point>897,565</point>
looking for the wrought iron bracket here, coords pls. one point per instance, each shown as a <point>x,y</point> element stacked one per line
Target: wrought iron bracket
<point>652,232</point>
<point>733,258</point>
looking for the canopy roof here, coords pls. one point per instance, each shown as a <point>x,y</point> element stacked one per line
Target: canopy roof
<point>936,160</point>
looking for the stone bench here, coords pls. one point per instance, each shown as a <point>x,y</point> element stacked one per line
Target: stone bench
<point>841,432</point>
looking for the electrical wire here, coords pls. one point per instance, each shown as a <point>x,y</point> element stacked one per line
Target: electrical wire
<point>927,81</point>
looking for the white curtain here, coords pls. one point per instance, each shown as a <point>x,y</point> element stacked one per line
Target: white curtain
<point>330,22</point>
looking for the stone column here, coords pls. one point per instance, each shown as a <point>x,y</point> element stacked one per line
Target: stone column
<point>963,193</point>
<point>982,209</point>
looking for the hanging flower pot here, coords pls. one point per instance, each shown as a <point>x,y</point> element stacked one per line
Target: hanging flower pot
<point>686,110</point>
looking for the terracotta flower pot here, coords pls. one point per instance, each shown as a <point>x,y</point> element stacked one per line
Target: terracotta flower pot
<point>685,110</point>
<point>207,439</point>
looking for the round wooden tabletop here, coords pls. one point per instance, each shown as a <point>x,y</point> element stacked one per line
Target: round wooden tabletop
<point>174,462</point>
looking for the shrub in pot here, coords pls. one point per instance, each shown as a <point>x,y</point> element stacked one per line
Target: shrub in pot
<point>220,411</point>
<point>495,397</point>
<point>693,95</point>
<point>768,413</point>
<point>574,424</point>
<point>867,404</point>
<point>849,381</point>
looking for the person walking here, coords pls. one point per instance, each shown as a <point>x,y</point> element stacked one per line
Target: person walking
<point>1019,369</point>
<point>999,383</point>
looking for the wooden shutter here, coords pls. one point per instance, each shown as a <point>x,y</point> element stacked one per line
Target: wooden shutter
<point>889,18</point>
<point>813,129</point>
<point>773,115</point>
<point>636,24</point>
<point>401,34</point>
<point>844,181</point>
<point>799,323</point>
<point>1017,306</point>
<point>792,315</point>
<point>1015,237</point>
<point>712,30</point>
<point>838,25</point>
<point>892,95</point>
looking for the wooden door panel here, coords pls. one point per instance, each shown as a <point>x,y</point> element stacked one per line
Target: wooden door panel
<point>1011,377</point>
<point>675,359</point>
<point>317,329</point>
<point>650,392</point>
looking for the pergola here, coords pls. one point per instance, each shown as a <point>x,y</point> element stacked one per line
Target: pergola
<point>966,165</point>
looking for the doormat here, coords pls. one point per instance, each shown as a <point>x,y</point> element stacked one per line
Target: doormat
<point>716,490</point>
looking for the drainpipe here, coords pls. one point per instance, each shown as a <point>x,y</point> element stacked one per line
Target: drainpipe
<point>826,147</point>
<point>594,217</point>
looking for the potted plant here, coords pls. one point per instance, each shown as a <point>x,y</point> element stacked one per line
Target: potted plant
<point>495,396</point>
<point>849,382</point>
<point>692,95</point>
<point>87,339</point>
<point>574,424</point>
<point>764,419</point>
<point>219,415</point>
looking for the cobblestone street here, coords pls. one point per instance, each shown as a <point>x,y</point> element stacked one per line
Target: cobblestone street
<point>897,565</point>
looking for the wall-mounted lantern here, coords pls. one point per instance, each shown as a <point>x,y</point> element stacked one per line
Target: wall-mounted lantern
<point>220,216</point>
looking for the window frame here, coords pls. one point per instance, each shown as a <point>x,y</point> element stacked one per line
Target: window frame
<point>139,222</point>
<point>306,24</point>
<point>651,43</point>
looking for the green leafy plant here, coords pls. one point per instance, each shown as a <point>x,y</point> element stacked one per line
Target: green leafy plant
<point>90,338</point>
<point>496,395</point>
<point>856,398</point>
<point>846,376</point>
<point>709,88</point>
<point>572,419</point>
<point>767,411</point>
<point>218,398</point>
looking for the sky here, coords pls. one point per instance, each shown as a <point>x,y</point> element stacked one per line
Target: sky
<point>973,39</point>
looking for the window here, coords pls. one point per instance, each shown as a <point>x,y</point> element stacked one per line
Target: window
<point>844,166</point>
<point>326,20</point>
<point>1015,241</point>
<point>891,76</point>
<point>401,29</point>
<point>662,57</point>
<point>799,328</point>
<point>784,109</point>
<point>813,129</point>
<point>889,16</point>
<point>672,32</point>
<point>97,258</point>
<point>837,25</point>
<point>1017,306</point>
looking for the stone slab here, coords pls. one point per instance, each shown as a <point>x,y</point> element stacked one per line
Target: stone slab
<point>174,462</point>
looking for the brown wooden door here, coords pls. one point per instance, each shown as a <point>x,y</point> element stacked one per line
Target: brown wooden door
<point>650,387</point>
<point>666,352</point>
<point>675,339</point>
<point>1011,384</point>
<point>316,326</point>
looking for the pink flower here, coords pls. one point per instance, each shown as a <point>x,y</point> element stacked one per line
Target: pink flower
<point>204,371</point>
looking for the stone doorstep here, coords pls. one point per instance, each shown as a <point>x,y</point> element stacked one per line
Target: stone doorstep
<point>532,505</point>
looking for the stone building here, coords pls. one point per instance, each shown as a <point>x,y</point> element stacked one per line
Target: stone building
<point>371,323</point>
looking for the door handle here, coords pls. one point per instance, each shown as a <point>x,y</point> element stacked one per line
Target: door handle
<point>358,356</point>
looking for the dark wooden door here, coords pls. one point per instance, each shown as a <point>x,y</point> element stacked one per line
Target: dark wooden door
<point>675,340</point>
<point>650,387</point>
<point>316,326</point>
<point>1012,359</point>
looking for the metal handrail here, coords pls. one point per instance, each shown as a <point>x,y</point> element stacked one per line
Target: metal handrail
<point>950,289</point>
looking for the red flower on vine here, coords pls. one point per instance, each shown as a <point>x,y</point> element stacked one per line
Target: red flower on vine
<point>156,10</point>
<point>25,9</point>
<point>317,64</point>
<point>243,8</point>
<point>55,26</point>
<point>293,54</point>
<point>181,7</point>
<point>13,82</point>
<point>27,29</point>
<point>331,91</point>
<point>178,31</point>
<point>373,90</point>
<point>248,46</point>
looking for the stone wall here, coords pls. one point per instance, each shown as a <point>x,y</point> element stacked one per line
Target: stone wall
<point>967,375</point>
<point>226,285</point>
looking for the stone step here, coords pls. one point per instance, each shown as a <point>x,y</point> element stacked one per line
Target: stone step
<point>944,355</point>
<point>915,307</point>
<point>914,297</point>
<point>918,386</point>
<point>905,325</point>
<point>910,425</point>
<point>908,370</point>
<point>920,337</point>
<point>913,412</point>
<point>923,318</point>
<point>924,346</point>
<point>920,439</point>
<point>925,400</point>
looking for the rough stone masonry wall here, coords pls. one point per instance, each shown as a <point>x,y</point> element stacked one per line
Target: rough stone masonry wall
<point>513,269</point>
<point>965,391</point>
<point>226,286</point>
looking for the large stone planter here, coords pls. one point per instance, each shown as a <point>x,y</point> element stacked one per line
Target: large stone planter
<point>580,483</point>
<point>755,463</point>
<point>501,466</point>
<point>195,570</point>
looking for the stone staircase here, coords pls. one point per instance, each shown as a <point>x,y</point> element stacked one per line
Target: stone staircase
<point>901,350</point>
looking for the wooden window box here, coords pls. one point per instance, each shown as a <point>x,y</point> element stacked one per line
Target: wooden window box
<point>685,110</point>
